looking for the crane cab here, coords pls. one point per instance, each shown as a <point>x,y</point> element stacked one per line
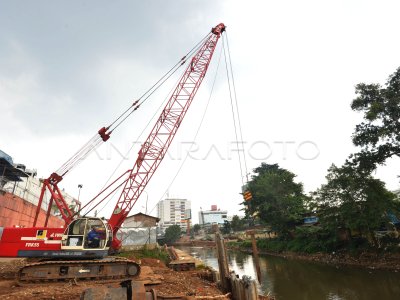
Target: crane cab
<point>92,235</point>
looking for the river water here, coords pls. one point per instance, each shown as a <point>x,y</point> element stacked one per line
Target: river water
<point>301,280</point>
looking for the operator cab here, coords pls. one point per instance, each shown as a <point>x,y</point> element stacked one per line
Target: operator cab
<point>87,234</point>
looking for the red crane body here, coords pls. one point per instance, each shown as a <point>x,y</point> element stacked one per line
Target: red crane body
<point>71,242</point>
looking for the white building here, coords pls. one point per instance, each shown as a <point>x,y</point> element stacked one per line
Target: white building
<point>173,212</point>
<point>213,216</point>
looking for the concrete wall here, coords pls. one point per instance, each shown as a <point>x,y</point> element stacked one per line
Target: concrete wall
<point>137,236</point>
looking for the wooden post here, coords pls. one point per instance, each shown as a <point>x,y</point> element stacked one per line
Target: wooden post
<point>255,254</point>
<point>222,261</point>
<point>251,292</point>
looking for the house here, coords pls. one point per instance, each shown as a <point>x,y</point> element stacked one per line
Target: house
<point>138,230</point>
<point>141,220</point>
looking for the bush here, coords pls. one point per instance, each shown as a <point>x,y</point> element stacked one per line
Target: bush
<point>305,239</point>
<point>273,245</point>
<point>390,243</point>
<point>357,245</point>
<point>312,239</point>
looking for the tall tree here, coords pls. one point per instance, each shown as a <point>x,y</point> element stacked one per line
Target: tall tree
<point>277,199</point>
<point>172,234</point>
<point>354,201</point>
<point>379,134</point>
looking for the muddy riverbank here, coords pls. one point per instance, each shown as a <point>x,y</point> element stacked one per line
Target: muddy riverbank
<point>384,261</point>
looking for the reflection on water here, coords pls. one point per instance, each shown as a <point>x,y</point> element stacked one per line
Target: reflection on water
<point>292,279</point>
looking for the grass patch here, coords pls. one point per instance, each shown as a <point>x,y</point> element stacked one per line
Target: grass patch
<point>201,267</point>
<point>156,253</point>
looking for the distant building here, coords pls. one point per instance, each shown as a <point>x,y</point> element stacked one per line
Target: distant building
<point>213,216</point>
<point>173,211</point>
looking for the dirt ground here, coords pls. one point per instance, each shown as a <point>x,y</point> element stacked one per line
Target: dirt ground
<point>186,283</point>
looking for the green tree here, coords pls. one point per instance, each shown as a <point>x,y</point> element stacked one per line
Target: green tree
<point>277,199</point>
<point>172,234</point>
<point>378,135</point>
<point>226,229</point>
<point>353,201</point>
<point>236,223</point>
<point>196,228</point>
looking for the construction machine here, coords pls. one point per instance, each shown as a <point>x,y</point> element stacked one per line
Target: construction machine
<point>82,248</point>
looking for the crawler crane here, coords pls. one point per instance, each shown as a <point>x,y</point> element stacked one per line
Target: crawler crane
<point>68,253</point>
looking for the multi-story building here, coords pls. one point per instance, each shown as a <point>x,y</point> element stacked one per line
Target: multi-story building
<point>173,211</point>
<point>213,216</point>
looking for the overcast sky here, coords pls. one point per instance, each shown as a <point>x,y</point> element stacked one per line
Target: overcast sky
<point>68,68</point>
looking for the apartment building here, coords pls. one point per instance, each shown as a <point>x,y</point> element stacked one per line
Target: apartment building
<point>173,211</point>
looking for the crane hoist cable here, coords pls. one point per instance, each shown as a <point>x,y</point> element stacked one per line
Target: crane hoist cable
<point>154,149</point>
<point>234,104</point>
<point>89,207</point>
<point>235,115</point>
<point>158,84</point>
<point>232,108</point>
<point>237,107</point>
<point>133,108</point>
<point>104,133</point>
<point>156,113</point>
<point>235,112</point>
<point>149,122</point>
<point>195,135</point>
<point>155,145</point>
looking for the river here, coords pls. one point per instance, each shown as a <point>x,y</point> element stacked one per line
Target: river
<point>289,279</point>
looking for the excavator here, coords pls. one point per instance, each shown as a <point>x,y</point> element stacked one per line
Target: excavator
<point>70,253</point>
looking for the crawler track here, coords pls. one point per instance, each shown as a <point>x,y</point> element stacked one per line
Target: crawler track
<point>107,268</point>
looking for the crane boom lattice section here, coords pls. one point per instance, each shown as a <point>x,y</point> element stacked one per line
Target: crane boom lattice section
<point>155,147</point>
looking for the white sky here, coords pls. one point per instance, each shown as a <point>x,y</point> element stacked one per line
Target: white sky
<point>68,68</point>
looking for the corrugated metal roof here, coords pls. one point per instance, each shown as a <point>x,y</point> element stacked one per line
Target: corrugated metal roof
<point>6,157</point>
<point>7,169</point>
